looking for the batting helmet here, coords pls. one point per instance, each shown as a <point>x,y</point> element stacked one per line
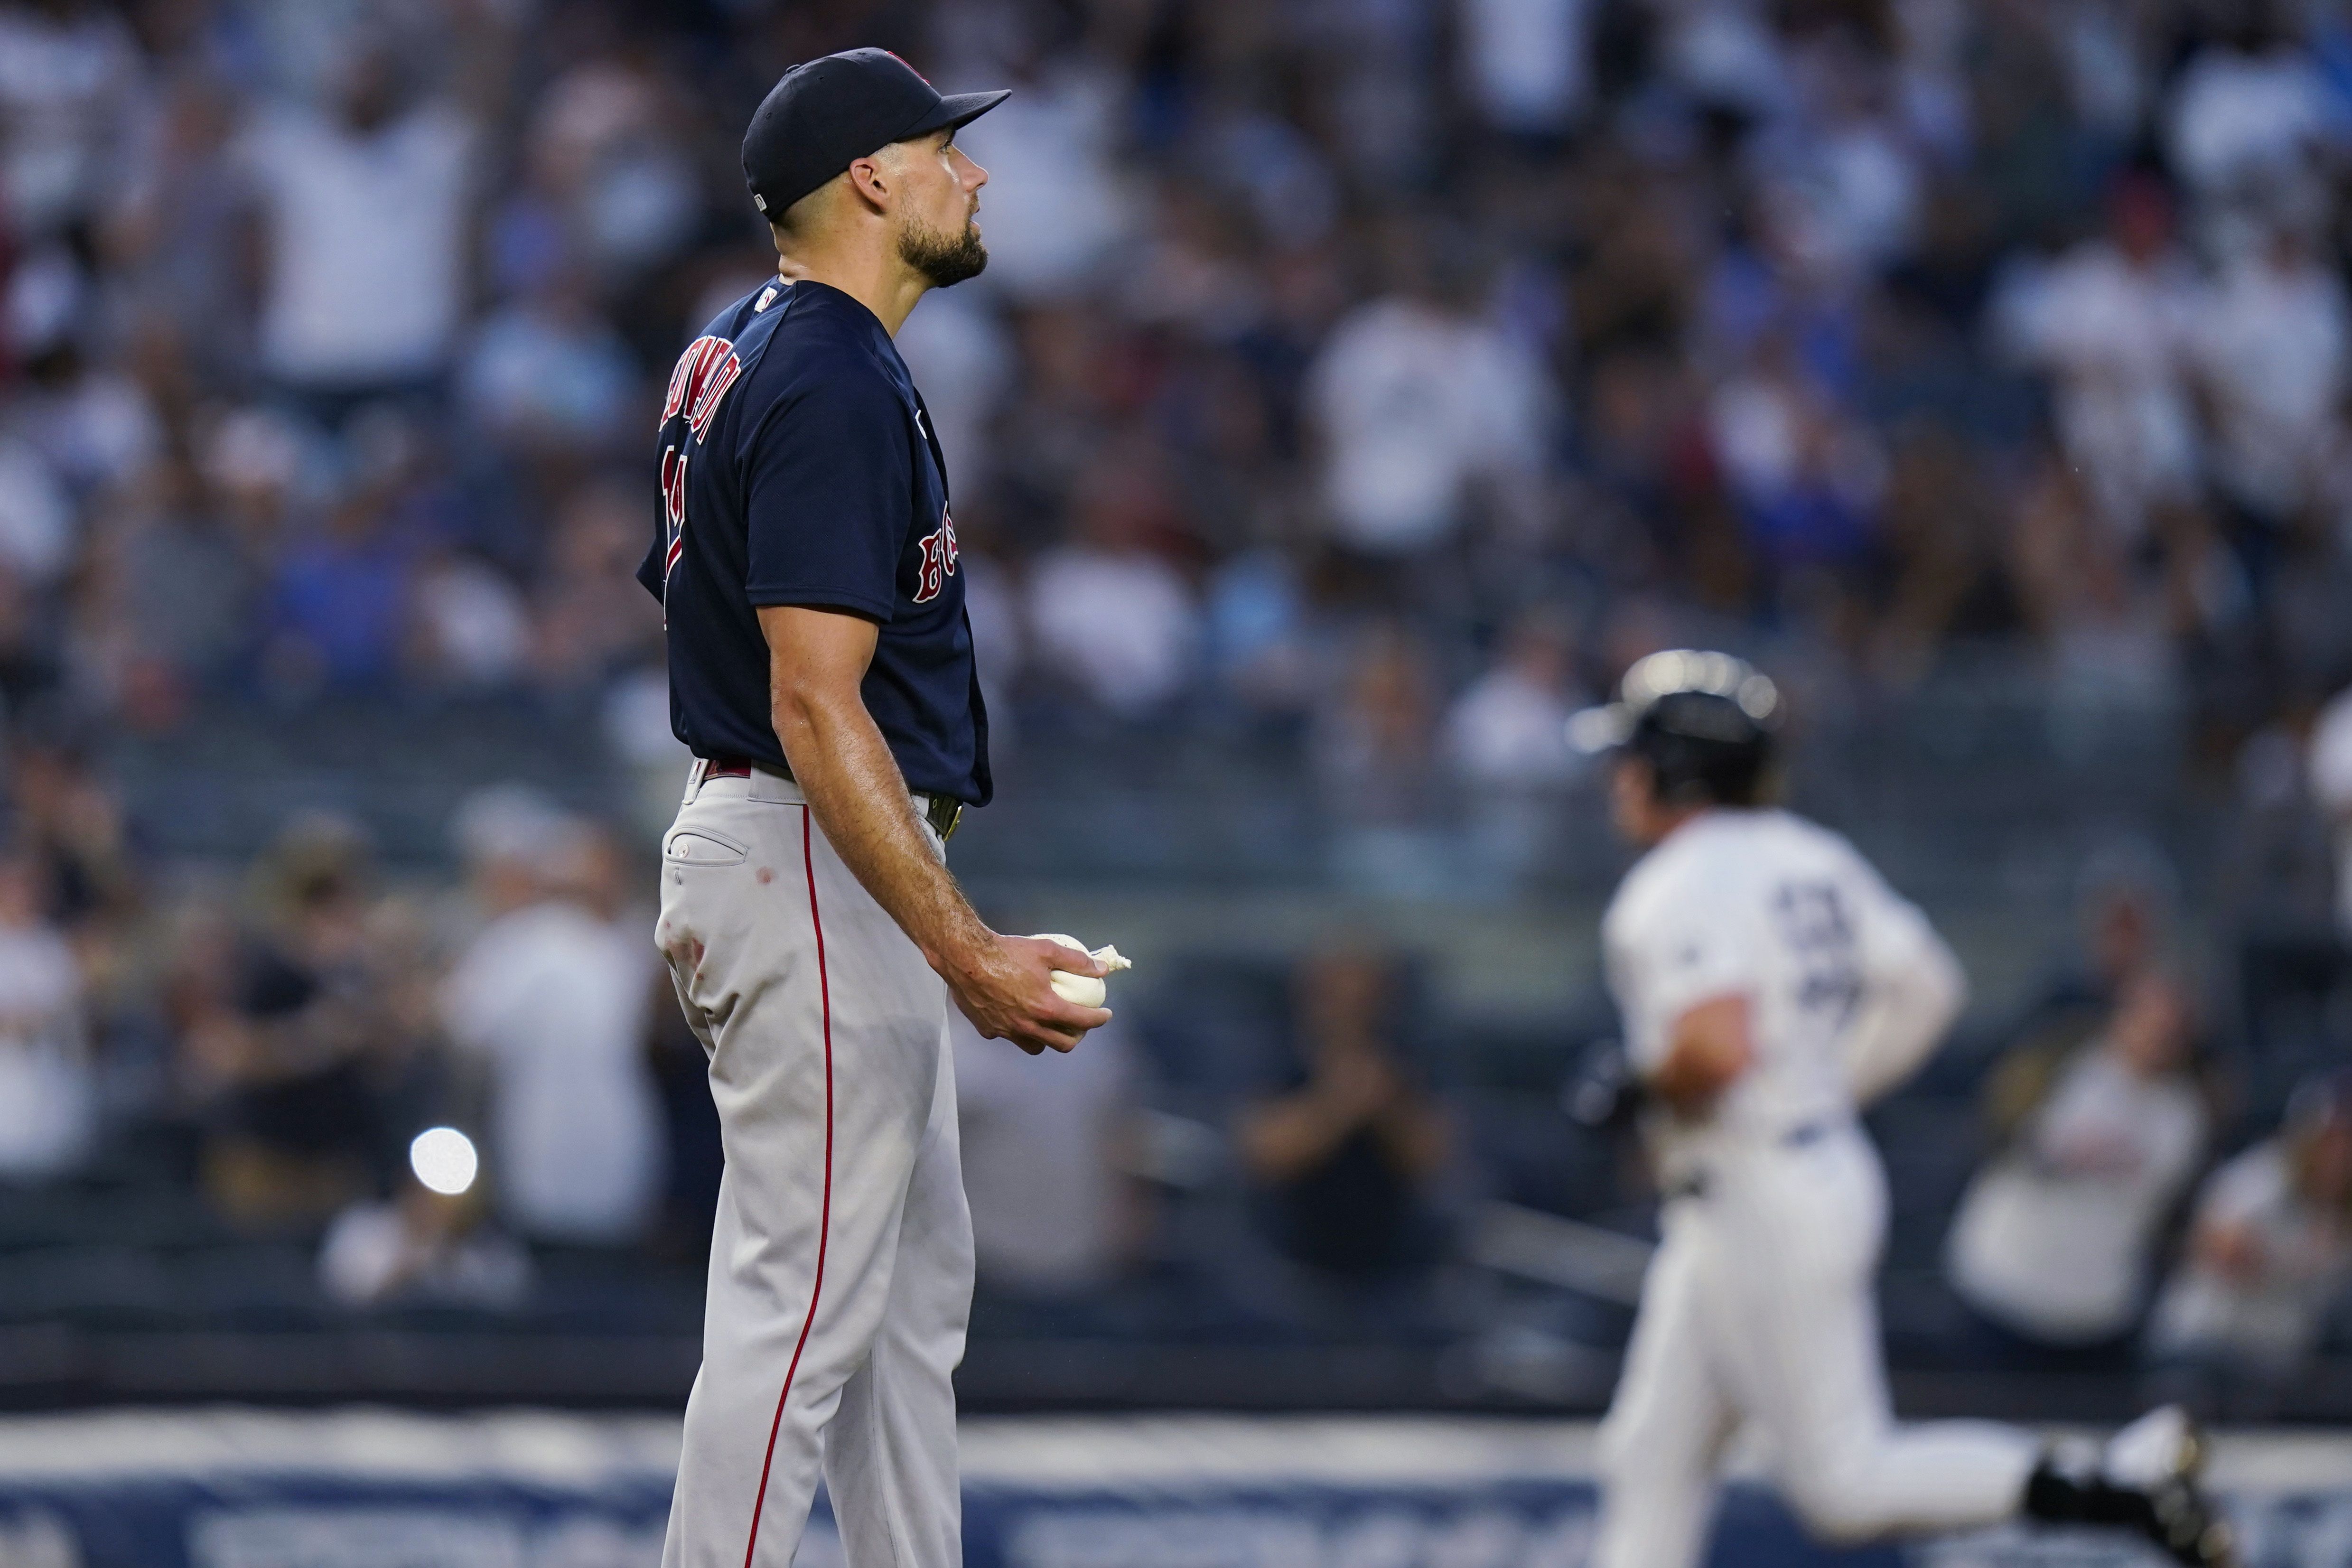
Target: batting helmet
<point>1704,722</point>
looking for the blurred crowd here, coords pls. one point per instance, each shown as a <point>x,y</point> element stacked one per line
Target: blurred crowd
<point>1388,374</point>
<point>1375,378</point>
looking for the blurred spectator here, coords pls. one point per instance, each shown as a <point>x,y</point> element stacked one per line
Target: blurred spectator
<point>1261,631</point>
<point>1110,615</point>
<point>2270,1249</point>
<point>1047,1146</point>
<point>291,1045</point>
<point>94,425</point>
<point>592,619</point>
<point>2270,343</point>
<point>48,1084</point>
<point>550,995</point>
<point>2110,322</point>
<point>2055,1240</point>
<point>1376,753</point>
<point>342,601</point>
<point>1806,477</point>
<point>2106,631</point>
<point>421,1248</point>
<point>2282,890</point>
<point>1507,737</point>
<point>1417,400</point>
<point>1055,208</point>
<point>549,375</point>
<point>180,231</point>
<point>37,515</point>
<point>355,306</point>
<point>1509,731</point>
<point>472,630</point>
<point>186,589</point>
<point>69,103</point>
<point>2331,788</point>
<point>1346,1154</point>
<point>962,357</point>
<point>2253,113</point>
<point>1525,63</point>
<point>608,178</point>
<point>70,825</point>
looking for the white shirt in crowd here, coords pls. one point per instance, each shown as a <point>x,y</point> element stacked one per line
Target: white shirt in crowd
<point>1511,732</point>
<point>351,297</point>
<point>2331,786</point>
<point>1040,1143</point>
<point>1847,983</point>
<point>2270,341</point>
<point>1526,62</point>
<point>1415,404</point>
<point>554,1000</point>
<point>2304,1259</point>
<point>2115,337</point>
<point>2236,117</point>
<point>69,90</point>
<point>2055,1237</point>
<point>1122,624</point>
<point>48,1099</point>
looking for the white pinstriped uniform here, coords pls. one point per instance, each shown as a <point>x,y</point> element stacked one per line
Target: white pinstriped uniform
<point>1758,1305</point>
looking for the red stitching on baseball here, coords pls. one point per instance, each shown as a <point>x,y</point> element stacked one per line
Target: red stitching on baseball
<point>824,1218</point>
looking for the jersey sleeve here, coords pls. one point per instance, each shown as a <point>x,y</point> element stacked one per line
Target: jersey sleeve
<point>1668,956</point>
<point>829,486</point>
<point>1893,938</point>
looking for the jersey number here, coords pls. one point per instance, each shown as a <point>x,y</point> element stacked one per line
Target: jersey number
<point>1814,922</point>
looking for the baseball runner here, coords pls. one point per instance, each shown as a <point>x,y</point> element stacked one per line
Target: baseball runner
<point>821,671</point>
<point>1770,983</point>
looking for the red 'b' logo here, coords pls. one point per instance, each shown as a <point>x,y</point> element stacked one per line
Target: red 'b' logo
<point>939,560</point>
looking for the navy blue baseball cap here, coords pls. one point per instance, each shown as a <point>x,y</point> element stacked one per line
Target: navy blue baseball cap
<point>824,115</point>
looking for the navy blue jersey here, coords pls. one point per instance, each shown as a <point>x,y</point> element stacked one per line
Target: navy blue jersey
<point>797,467</point>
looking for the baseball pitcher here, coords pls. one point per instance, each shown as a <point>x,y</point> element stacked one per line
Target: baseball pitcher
<point>821,671</point>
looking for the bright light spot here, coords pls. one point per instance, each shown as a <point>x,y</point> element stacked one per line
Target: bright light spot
<point>443,1160</point>
<point>1596,730</point>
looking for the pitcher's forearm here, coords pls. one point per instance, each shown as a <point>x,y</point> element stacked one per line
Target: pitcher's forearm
<point>859,797</point>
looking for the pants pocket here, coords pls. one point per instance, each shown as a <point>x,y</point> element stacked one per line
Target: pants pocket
<point>702,847</point>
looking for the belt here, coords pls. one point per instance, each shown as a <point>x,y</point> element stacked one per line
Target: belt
<point>1804,1135</point>
<point>943,812</point>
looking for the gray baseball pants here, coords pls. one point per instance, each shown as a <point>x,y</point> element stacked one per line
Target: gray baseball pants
<point>841,1269</point>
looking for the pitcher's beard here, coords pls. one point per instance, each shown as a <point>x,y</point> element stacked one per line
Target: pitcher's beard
<point>944,259</point>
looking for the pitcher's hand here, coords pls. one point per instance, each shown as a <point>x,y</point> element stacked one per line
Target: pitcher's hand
<point>1006,989</point>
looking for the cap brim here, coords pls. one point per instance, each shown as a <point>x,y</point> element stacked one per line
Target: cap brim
<point>959,109</point>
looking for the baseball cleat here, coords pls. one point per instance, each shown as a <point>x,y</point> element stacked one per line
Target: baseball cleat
<point>2159,1457</point>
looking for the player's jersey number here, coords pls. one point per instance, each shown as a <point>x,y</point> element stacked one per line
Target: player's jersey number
<point>1812,921</point>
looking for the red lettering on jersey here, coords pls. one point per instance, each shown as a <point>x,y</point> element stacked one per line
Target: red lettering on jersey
<point>939,560</point>
<point>704,372</point>
<point>673,490</point>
